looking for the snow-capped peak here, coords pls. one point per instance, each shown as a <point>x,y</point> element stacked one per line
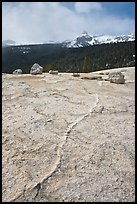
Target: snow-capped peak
<point>86,40</point>
<point>84,33</point>
<point>82,40</point>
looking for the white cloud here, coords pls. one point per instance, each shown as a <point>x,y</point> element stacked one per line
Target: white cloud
<point>35,22</point>
<point>86,7</point>
<point>38,22</point>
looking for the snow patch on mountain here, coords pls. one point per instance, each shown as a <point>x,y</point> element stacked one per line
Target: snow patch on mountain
<point>86,40</point>
<point>81,41</point>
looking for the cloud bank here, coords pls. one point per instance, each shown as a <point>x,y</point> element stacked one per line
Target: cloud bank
<point>36,22</point>
<point>86,7</point>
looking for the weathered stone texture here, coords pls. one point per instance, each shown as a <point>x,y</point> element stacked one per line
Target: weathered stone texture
<point>68,139</point>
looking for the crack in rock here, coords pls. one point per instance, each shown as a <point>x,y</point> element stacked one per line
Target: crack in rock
<point>53,171</point>
<point>29,192</point>
<point>58,161</point>
<point>38,187</point>
<point>82,118</point>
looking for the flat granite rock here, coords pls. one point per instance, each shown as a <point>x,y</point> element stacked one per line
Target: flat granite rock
<point>67,139</point>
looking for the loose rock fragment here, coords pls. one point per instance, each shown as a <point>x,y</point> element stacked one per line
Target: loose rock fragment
<point>53,72</point>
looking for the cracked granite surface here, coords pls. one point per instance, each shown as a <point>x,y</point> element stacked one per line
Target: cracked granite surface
<point>68,139</point>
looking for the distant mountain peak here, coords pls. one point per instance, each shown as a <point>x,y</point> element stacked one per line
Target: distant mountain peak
<point>8,43</point>
<point>87,40</point>
<point>82,40</point>
<point>84,32</point>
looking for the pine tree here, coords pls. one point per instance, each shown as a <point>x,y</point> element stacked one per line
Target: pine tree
<point>85,65</point>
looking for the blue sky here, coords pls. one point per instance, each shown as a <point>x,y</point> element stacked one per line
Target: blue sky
<point>122,9</point>
<point>36,22</point>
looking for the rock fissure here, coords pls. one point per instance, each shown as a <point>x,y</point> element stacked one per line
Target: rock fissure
<point>69,129</point>
<point>38,187</point>
<point>81,118</point>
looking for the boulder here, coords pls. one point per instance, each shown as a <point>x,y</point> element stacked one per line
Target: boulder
<point>36,69</point>
<point>17,71</point>
<point>116,77</point>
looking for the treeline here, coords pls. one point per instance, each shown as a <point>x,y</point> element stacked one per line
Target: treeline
<point>53,56</point>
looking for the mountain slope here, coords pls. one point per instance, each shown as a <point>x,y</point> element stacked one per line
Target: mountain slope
<point>82,41</point>
<point>63,59</point>
<point>87,40</point>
